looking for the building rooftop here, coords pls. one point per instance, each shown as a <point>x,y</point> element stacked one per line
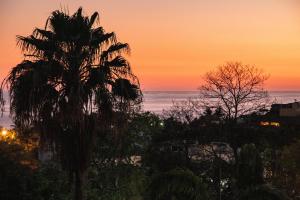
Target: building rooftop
<point>286,110</point>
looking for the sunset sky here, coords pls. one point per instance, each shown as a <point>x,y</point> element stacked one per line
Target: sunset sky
<point>174,42</point>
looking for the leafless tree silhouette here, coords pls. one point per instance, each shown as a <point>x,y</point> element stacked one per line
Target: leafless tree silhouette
<point>236,88</point>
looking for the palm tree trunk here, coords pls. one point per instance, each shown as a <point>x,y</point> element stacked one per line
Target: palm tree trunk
<point>79,185</point>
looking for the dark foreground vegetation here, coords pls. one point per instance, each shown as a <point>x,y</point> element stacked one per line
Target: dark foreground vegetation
<point>166,159</point>
<point>79,132</point>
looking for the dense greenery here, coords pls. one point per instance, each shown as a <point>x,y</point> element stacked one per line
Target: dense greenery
<point>168,159</point>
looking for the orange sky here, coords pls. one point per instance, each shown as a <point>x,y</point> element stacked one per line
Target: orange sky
<point>174,42</point>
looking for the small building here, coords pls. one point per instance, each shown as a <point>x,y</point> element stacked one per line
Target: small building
<point>282,115</point>
<point>286,110</point>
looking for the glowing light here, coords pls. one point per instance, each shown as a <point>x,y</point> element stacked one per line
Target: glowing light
<point>4,132</point>
<point>12,136</point>
<point>264,123</point>
<point>275,124</point>
<point>7,135</point>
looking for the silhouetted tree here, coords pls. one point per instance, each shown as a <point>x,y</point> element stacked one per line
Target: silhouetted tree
<point>250,167</point>
<point>237,88</point>
<point>177,184</point>
<point>72,81</point>
<point>207,111</point>
<point>184,111</point>
<point>284,170</point>
<point>250,178</point>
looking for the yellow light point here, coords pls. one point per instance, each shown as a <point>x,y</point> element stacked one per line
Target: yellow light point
<point>264,123</point>
<point>275,124</point>
<point>12,136</point>
<point>4,133</point>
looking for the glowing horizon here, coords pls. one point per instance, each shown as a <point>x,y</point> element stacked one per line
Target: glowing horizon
<point>174,43</point>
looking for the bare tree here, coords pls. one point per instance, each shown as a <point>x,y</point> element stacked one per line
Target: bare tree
<point>184,111</point>
<point>236,88</point>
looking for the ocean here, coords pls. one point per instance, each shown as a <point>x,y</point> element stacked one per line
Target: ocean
<point>157,101</point>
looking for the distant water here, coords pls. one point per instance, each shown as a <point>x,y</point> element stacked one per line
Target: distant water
<point>156,101</point>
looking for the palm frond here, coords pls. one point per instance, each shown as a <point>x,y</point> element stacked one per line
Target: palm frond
<point>99,38</point>
<point>118,62</point>
<point>123,88</point>
<point>115,50</point>
<point>94,18</point>
<point>43,34</point>
<point>2,101</point>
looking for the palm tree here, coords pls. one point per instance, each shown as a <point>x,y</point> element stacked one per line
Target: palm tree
<point>1,101</point>
<point>71,82</point>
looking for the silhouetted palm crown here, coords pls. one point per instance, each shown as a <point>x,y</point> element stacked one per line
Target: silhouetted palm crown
<point>73,71</point>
